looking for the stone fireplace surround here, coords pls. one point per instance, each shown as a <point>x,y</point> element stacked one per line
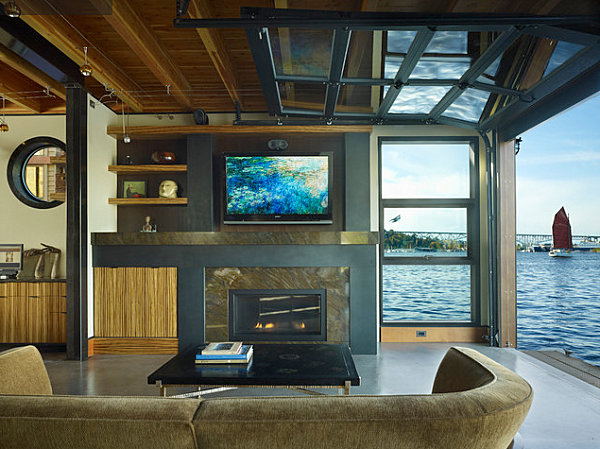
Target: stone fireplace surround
<point>335,280</point>
<point>194,253</point>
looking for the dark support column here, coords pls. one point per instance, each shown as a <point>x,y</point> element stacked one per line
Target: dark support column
<point>77,333</point>
<point>200,183</point>
<point>358,178</point>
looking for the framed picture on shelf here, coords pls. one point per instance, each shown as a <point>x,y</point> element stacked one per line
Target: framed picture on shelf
<point>134,189</point>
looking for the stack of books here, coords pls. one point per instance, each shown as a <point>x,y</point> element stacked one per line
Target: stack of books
<point>224,352</point>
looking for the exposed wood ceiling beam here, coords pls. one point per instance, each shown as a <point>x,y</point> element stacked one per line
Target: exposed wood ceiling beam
<point>131,27</point>
<point>64,37</point>
<point>27,69</point>
<point>199,9</point>
<point>13,88</point>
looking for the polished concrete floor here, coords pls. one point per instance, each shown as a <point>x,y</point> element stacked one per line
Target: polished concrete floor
<point>565,411</point>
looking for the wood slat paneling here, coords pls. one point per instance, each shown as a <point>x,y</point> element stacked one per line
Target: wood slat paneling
<point>135,302</point>
<point>134,345</point>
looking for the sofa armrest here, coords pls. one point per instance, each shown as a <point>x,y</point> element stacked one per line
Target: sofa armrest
<point>22,371</point>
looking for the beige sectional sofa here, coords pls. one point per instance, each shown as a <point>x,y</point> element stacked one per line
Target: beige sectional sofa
<point>476,403</point>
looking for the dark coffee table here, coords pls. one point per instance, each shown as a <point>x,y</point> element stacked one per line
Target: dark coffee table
<point>301,366</point>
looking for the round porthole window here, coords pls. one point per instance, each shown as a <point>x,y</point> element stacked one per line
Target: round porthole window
<point>36,172</point>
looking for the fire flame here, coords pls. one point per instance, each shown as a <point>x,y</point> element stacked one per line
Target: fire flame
<point>303,326</point>
<point>259,325</point>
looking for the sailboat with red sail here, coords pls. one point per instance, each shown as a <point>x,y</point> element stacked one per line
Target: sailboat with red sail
<point>561,235</point>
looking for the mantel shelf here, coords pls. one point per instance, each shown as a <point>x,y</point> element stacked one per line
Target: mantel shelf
<point>148,201</point>
<point>143,169</point>
<point>142,132</point>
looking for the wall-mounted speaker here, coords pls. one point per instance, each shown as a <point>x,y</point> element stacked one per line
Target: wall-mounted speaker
<point>277,144</point>
<point>200,117</point>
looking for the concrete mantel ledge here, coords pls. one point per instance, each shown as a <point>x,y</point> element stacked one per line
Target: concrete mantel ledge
<point>235,238</point>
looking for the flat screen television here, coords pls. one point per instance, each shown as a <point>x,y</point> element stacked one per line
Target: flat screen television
<point>276,188</point>
<point>11,260</point>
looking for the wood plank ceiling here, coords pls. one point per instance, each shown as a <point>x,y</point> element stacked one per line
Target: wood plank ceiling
<point>144,64</point>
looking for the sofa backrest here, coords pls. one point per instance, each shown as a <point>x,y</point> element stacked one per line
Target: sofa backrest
<point>22,371</point>
<point>486,416</point>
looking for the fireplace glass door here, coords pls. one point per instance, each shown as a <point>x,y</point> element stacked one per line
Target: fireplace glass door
<point>277,315</point>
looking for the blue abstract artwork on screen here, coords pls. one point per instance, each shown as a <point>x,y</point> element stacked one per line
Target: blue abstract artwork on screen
<point>277,185</point>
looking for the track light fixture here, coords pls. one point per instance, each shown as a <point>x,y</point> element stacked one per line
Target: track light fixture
<point>86,69</point>
<point>126,138</point>
<point>12,10</point>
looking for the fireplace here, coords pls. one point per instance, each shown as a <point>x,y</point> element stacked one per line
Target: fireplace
<point>277,315</point>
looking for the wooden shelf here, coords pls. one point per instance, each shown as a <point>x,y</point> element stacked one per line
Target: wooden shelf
<point>181,131</point>
<point>144,169</point>
<point>148,201</point>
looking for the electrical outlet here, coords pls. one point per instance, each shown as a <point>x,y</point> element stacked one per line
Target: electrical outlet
<point>421,333</point>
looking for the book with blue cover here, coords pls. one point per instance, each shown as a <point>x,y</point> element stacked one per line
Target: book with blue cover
<point>244,356</point>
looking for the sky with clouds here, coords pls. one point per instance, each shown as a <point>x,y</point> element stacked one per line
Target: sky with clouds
<point>559,165</point>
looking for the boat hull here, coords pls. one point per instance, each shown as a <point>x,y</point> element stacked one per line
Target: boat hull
<point>561,253</point>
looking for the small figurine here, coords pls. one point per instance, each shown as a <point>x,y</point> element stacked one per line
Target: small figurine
<point>167,189</point>
<point>147,226</point>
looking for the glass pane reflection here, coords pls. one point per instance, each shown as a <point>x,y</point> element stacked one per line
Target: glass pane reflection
<point>440,68</point>
<point>300,51</point>
<point>355,98</point>
<point>417,99</point>
<point>449,42</point>
<point>468,106</point>
<point>399,41</point>
<point>310,96</point>
<point>561,54</point>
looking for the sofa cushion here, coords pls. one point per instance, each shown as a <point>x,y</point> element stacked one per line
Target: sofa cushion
<point>22,371</point>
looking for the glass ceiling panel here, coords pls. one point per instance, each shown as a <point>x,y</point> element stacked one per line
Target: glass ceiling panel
<point>399,41</point>
<point>440,68</point>
<point>356,99</point>
<point>489,74</point>
<point>561,54</point>
<point>309,96</point>
<point>300,51</point>
<point>448,42</point>
<point>391,66</point>
<point>359,62</point>
<point>417,99</point>
<point>468,106</point>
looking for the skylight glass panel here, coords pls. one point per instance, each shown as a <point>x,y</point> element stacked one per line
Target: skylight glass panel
<point>561,54</point>
<point>417,99</point>
<point>449,42</point>
<point>399,41</point>
<point>468,106</point>
<point>489,74</point>
<point>440,68</point>
<point>392,64</point>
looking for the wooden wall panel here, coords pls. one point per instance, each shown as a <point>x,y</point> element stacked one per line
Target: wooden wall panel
<point>134,302</point>
<point>433,334</point>
<point>507,243</point>
<point>134,345</point>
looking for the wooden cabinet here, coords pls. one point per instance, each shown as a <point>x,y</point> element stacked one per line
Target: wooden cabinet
<point>33,312</point>
<point>137,302</point>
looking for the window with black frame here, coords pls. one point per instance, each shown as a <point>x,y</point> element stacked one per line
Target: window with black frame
<point>429,231</point>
